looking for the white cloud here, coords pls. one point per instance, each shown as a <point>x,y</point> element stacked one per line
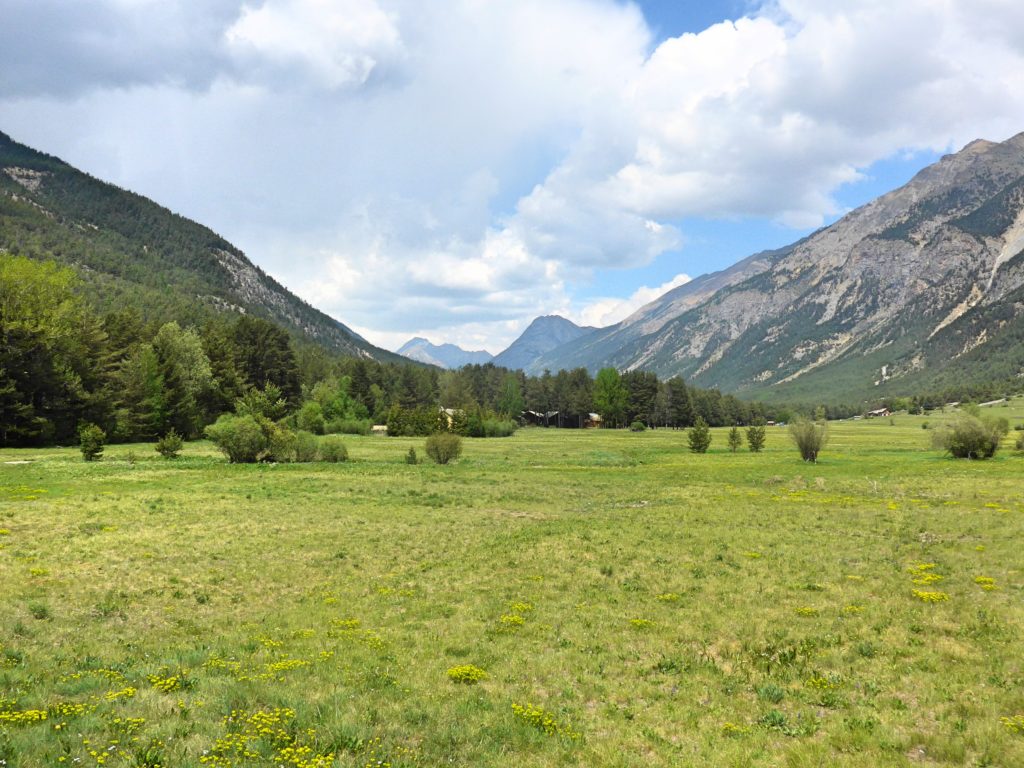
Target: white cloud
<point>610,310</point>
<point>455,168</point>
<point>337,43</point>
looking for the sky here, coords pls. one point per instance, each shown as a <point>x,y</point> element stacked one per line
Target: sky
<point>454,168</point>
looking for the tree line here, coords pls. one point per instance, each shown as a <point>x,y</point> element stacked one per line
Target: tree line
<point>62,364</point>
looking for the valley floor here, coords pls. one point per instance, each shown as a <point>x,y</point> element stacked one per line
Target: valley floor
<point>631,603</point>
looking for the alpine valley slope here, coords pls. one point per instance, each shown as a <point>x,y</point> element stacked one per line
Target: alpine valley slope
<point>129,251</point>
<point>919,289</point>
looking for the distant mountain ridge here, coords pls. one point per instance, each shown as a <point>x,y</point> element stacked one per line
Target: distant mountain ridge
<point>920,288</point>
<point>442,355</point>
<point>542,335</point>
<point>130,251</point>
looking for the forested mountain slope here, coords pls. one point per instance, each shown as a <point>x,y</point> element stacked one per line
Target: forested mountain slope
<point>130,251</point>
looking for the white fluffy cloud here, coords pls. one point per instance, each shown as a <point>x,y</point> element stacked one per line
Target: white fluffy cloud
<point>336,44</point>
<point>455,168</point>
<point>610,310</point>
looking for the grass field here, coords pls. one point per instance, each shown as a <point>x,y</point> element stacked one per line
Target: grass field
<point>631,604</point>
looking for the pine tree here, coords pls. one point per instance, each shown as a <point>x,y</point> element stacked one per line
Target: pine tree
<point>699,436</point>
<point>680,403</point>
<point>756,436</point>
<point>735,440</point>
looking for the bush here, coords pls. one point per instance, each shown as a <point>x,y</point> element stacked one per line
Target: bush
<point>280,442</point>
<point>411,422</point>
<point>411,457</point>
<point>755,437</point>
<point>481,424</point>
<point>169,446</point>
<point>699,436</point>
<point>310,418</point>
<point>241,438</point>
<point>809,437</point>
<point>306,446</point>
<point>443,447</point>
<point>348,427</point>
<point>971,437</point>
<point>332,449</point>
<point>466,674</point>
<point>1020,443</point>
<point>637,426</point>
<point>735,439</point>
<point>499,428</point>
<point>91,440</point>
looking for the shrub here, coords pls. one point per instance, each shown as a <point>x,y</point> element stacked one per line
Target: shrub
<point>410,457</point>
<point>443,447</point>
<point>756,436</point>
<point>91,440</point>
<point>310,418</point>
<point>169,446</point>
<point>348,427</point>
<point>735,440</point>
<point>499,428</point>
<point>332,449</point>
<point>240,438</point>
<point>280,442</point>
<point>809,437</point>
<point>411,422</point>
<point>971,437</point>
<point>1020,443</point>
<point>306,446</point>
<point>637,426</point>
<point>699,436</point>
<point>481,424</point>
<point>466,674</point>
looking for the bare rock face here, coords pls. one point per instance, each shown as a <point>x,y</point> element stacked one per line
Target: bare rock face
<point>28,178</point>
<point>904,283</point>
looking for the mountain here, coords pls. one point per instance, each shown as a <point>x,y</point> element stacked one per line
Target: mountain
<point>919,289</point>
<point>443,356</point>
<point>602,343</point>
<point>129,251</point>
<point>542,335</point>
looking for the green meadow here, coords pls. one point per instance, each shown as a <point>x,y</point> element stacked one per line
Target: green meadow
<point>556,598</point>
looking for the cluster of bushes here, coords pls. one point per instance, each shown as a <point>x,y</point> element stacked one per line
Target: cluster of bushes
<point>246,440</point>
<point>310,417</point>
<point>259,431</point>
<point>480,424</point>
<point>421,422</point>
